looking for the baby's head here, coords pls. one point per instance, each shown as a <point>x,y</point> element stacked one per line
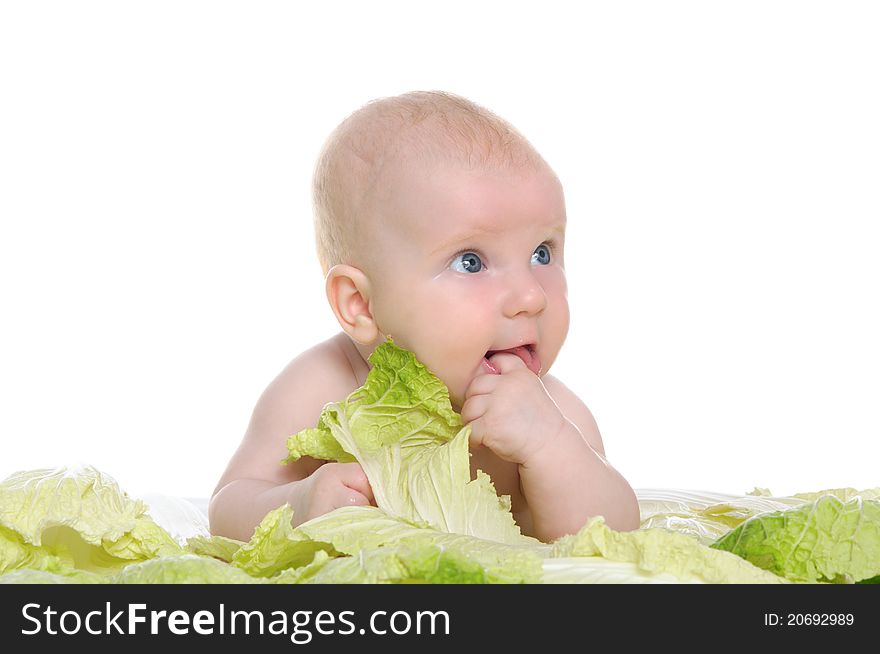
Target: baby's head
<point>439,225</point>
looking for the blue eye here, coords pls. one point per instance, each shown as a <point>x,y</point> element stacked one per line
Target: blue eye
<point>541,255</point>
<point>467,262</point>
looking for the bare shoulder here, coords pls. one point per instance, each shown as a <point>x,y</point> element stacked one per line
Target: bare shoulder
<point>575,410</point>
<point>291,402</point>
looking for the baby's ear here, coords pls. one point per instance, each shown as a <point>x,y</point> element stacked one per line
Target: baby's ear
<point>348,291</point>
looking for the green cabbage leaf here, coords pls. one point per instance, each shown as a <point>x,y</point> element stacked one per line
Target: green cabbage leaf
<point>825,540</point>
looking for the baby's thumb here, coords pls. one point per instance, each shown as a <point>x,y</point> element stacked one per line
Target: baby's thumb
<point>354,477</point>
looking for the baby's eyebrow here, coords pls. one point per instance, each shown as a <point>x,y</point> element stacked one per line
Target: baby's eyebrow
<point>463,238</point>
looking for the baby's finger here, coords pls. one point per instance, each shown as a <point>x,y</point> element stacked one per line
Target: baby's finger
<point>350,497</point>
<point>476,438</point>
<point>368,493</point>
<point>481,385</point>
<point>474,407</point>
<point>505,362</point>
<point>354,477</point>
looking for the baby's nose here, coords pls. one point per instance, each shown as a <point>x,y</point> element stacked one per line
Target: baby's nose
<point>525,296</point>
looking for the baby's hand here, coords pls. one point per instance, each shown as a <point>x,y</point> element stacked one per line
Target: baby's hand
<point>331,486</point>
<point>511,413</point>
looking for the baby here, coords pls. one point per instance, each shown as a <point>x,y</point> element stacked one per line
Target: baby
<point>439,225</point>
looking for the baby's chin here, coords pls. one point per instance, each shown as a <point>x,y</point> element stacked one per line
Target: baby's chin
<point>456,403</point>
<point>457,395</point>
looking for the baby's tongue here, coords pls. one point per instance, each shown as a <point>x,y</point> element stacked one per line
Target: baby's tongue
<point>524,353</point>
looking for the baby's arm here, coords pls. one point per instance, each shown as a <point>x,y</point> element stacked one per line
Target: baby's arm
<point>255,482</point>
<point>570,480</point>
<point>547,431</point>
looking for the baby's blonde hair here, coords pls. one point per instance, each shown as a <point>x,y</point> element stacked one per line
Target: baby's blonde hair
<point>417,127</point>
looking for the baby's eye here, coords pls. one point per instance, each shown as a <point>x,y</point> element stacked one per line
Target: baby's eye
<point>467,262</point>
<point>541,255</point>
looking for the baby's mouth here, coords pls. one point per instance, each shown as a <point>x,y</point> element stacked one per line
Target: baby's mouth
<point>527,353</point>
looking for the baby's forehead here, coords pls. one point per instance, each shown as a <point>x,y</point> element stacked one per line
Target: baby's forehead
<point>442,200</point>
<point>396,187</point>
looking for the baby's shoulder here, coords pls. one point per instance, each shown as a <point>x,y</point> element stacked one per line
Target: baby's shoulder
<point>575,410</point>
<point>561,393</point>
<point>324,372</point>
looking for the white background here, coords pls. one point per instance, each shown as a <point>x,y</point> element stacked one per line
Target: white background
<point>721,164</point>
